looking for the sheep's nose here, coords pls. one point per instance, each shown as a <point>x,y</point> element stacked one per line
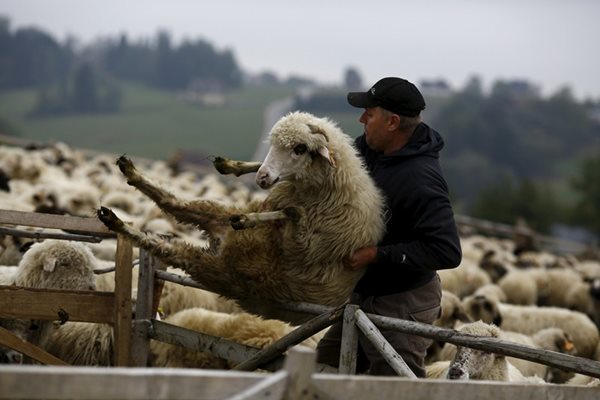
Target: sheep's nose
<point>498,320</point>
<point>456,373</point>
<point>262,180</point>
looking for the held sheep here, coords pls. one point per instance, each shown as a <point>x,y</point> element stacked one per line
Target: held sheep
<point>329,205</point>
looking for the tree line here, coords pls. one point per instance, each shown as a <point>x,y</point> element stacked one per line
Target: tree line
<point>69,79</point>
<point>506,151</point>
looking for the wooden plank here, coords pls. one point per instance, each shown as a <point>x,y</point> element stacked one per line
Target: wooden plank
<point>299,334</point>
<point>158,285</point>
<point>92,383</point>
<point>41,234</point>
<point>52,304</point>
<point>65,222</point>
<point>123,309</point>
<point>383,346</point>
<point>271,387</point>
<point>86,383</point>
<point>140,341</point>
<point>300,365</point>
<point>363,387</point>
<point>349,345</point>
<point>8,339</point>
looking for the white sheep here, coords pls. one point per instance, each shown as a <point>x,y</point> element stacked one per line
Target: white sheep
<point>51,264</point>
<point>475,364</point>
<point>554,339</point>
<point>80,343</point>
<point>243,328</point>
<point>525,287</point>
<point>491,290</point>
<point>531,319</point>
<point>453,311</point>
<point>332,208</point>
<point>57,264</point>
<point>483,307</point>
<point>464,279</point>
<point>175,297</point>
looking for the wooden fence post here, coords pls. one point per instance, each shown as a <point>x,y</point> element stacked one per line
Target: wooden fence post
<point>140,342</point>
<point>122,325</point>
<point>349,345</point>
<point>387,351</point>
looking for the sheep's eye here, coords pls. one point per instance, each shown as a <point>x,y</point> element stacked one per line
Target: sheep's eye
<point>487,306</point>
<point>300,149</point>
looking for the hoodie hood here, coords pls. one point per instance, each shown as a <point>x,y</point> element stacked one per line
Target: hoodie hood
<point>424,141</point>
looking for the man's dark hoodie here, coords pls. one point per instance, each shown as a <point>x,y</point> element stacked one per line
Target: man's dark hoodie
<point>421,235</point>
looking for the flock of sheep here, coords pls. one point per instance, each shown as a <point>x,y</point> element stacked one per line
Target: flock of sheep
<point>533,298</point>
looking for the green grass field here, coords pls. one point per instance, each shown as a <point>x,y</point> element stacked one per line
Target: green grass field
<point>152,123</point>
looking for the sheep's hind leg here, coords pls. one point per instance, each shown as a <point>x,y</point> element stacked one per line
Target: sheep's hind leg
<point>207,215</point>
<point>170,253</point>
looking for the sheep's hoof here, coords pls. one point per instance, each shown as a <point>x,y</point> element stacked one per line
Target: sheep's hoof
<point>125,165</point>
<point>109,219</point>
<point>293,213</point>
<point>239,222</point>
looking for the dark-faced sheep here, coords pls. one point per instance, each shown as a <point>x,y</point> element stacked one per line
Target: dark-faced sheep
<point>332,207</point>
<point>470,363</point>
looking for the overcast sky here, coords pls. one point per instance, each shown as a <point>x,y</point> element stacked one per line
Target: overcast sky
<point>552,43</point>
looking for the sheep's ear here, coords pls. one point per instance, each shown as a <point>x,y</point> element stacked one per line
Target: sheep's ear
<point>49,264</point>
<point>327,154</point>
<point>323,150</point>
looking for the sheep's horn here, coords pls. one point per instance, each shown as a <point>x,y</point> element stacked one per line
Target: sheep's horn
<point>317,130</point>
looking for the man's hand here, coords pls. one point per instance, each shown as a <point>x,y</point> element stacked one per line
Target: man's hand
<point>361,258</point>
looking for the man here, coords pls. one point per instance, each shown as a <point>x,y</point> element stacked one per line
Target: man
<point>400,281</point>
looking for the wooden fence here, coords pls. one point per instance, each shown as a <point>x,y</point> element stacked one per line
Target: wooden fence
<point>132,337</point>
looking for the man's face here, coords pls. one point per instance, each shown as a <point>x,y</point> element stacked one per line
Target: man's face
<point>376,124</point>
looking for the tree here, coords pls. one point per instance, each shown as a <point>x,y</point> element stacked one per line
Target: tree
<point>352,79</point>
<point>507,201</point>
<point>85,97</point>
<point>587,184</point>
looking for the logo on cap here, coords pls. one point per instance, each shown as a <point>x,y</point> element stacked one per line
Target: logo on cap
<point>373,90</point>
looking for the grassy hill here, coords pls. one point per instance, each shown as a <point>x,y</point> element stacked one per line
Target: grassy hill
<point>152,123</point>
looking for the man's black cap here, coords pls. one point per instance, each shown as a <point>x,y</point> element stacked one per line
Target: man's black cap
<point>394,94</point>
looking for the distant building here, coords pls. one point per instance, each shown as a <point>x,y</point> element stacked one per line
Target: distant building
<point>205,92</point>
<point>435,88</point>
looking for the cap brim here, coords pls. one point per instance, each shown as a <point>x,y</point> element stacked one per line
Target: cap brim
<point>361,100</point>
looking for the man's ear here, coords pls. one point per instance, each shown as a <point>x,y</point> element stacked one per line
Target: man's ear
<point>394,122</point>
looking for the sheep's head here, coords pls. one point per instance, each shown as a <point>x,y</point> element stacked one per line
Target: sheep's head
<point>297,141</point>
<point>483,307</point>
<point>56,264</point>
<point>470,363</point>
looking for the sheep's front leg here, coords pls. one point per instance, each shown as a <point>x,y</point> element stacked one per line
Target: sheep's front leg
<point>226,166</point>
<point>205,214</point>
<point>243,221</point>
<point>170,253</point>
